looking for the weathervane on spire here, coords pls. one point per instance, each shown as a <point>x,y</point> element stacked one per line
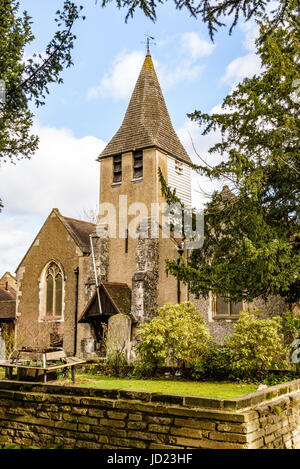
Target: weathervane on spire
<point>148,41</point>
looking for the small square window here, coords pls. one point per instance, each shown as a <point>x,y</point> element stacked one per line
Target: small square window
<point>117,172</point>
<point>137,164</point>
<point>224,308</point>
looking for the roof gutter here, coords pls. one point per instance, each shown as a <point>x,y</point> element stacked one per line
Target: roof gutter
<point>76,272</point>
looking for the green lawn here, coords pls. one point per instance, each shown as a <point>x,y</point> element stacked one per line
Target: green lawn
<point>222,390</point>
<point>225,390</point>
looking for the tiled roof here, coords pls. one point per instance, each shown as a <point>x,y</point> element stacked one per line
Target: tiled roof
<point>120,295</point>
<point>147,122</point>
<point>7,310</point>
<point>7,303</point>
<point>81,230</point>
<point>115,298</point>
<point>6,295</point>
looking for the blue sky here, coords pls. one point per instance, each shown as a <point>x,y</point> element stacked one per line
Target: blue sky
<point>102,37</point>
<point>82,115</point>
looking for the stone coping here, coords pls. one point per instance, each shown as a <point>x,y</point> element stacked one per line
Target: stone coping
<point>237,404</point>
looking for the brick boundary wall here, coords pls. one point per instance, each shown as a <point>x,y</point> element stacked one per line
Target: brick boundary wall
<point>47,415</point>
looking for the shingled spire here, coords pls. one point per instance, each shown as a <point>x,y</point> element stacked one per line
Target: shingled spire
<point>147,122</point>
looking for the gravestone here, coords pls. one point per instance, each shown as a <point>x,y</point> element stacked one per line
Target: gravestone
<point>2,347</point>
<point>88,347</point>
<point>119,334</point>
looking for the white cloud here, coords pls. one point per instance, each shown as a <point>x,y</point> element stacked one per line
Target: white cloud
<point>197,145</point>
<point>118,83</point>
<point>14,241</point>
<point>62,173</point>
<point>194,142</point>
<point>251,31</point>
<point>240,68</point>
<point>185,71</point>
<point>248,65</point>
<point>191,49</point>
<point>192,44</point>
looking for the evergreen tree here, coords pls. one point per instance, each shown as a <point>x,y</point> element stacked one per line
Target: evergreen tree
<point>211,12</point>
<point>252,233</point>
<point>22,81</point>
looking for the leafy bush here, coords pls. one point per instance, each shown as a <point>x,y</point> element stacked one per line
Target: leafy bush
<point>214,364</point>
<point>177,334</point>
<point>218,363</point>
<point>292,336</point>
<point>255,344</point>
<point>292,323</point>
<point>271,379</point>
<point>117,364</point>
<point>144,367</point>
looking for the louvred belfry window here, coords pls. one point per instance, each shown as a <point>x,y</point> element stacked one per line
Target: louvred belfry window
<point>178,167</point>
<point>54,291</point>
<point>137,164</point>
<point>117,176</point>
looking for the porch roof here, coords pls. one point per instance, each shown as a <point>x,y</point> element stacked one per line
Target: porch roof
<point>7,310</point>
<point>115,298</point>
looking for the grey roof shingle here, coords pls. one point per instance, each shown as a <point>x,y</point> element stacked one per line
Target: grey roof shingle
<point>7,294</point>
<point>82,230</point>
<point>147,122</point>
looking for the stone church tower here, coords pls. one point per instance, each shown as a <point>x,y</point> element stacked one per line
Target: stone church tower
<point>78,277</point>
<point>129,254</point>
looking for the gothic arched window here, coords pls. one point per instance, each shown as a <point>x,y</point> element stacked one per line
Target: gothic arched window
<point>54,291</point>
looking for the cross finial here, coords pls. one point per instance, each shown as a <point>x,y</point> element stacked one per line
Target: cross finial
<point>148,41</point>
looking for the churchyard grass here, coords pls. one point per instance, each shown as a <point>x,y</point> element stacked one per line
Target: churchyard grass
<point>219,389</point>
<point>222,390</point>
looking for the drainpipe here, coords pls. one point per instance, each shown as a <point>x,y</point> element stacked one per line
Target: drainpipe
<point>180,250</point>
<point>95,273</point>
<point>76,272</point>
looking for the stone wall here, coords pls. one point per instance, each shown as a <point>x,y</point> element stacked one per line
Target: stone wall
<point>219,328</point>
<point>46,415</point>
<point>52,243</point>
<point>145,279</point>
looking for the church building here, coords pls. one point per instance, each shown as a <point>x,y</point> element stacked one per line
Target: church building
<point>79,277</point>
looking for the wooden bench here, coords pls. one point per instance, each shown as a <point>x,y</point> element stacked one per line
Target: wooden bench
<point>48,359</point>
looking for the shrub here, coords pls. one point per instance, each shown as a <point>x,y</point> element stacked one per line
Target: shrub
<point>214,364</point>
<point>255,344</point>
<point>271,379</point>
<point>292,323</point>
<point>177,334</point>
<point>116,362</point>
<point>292,338</point>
